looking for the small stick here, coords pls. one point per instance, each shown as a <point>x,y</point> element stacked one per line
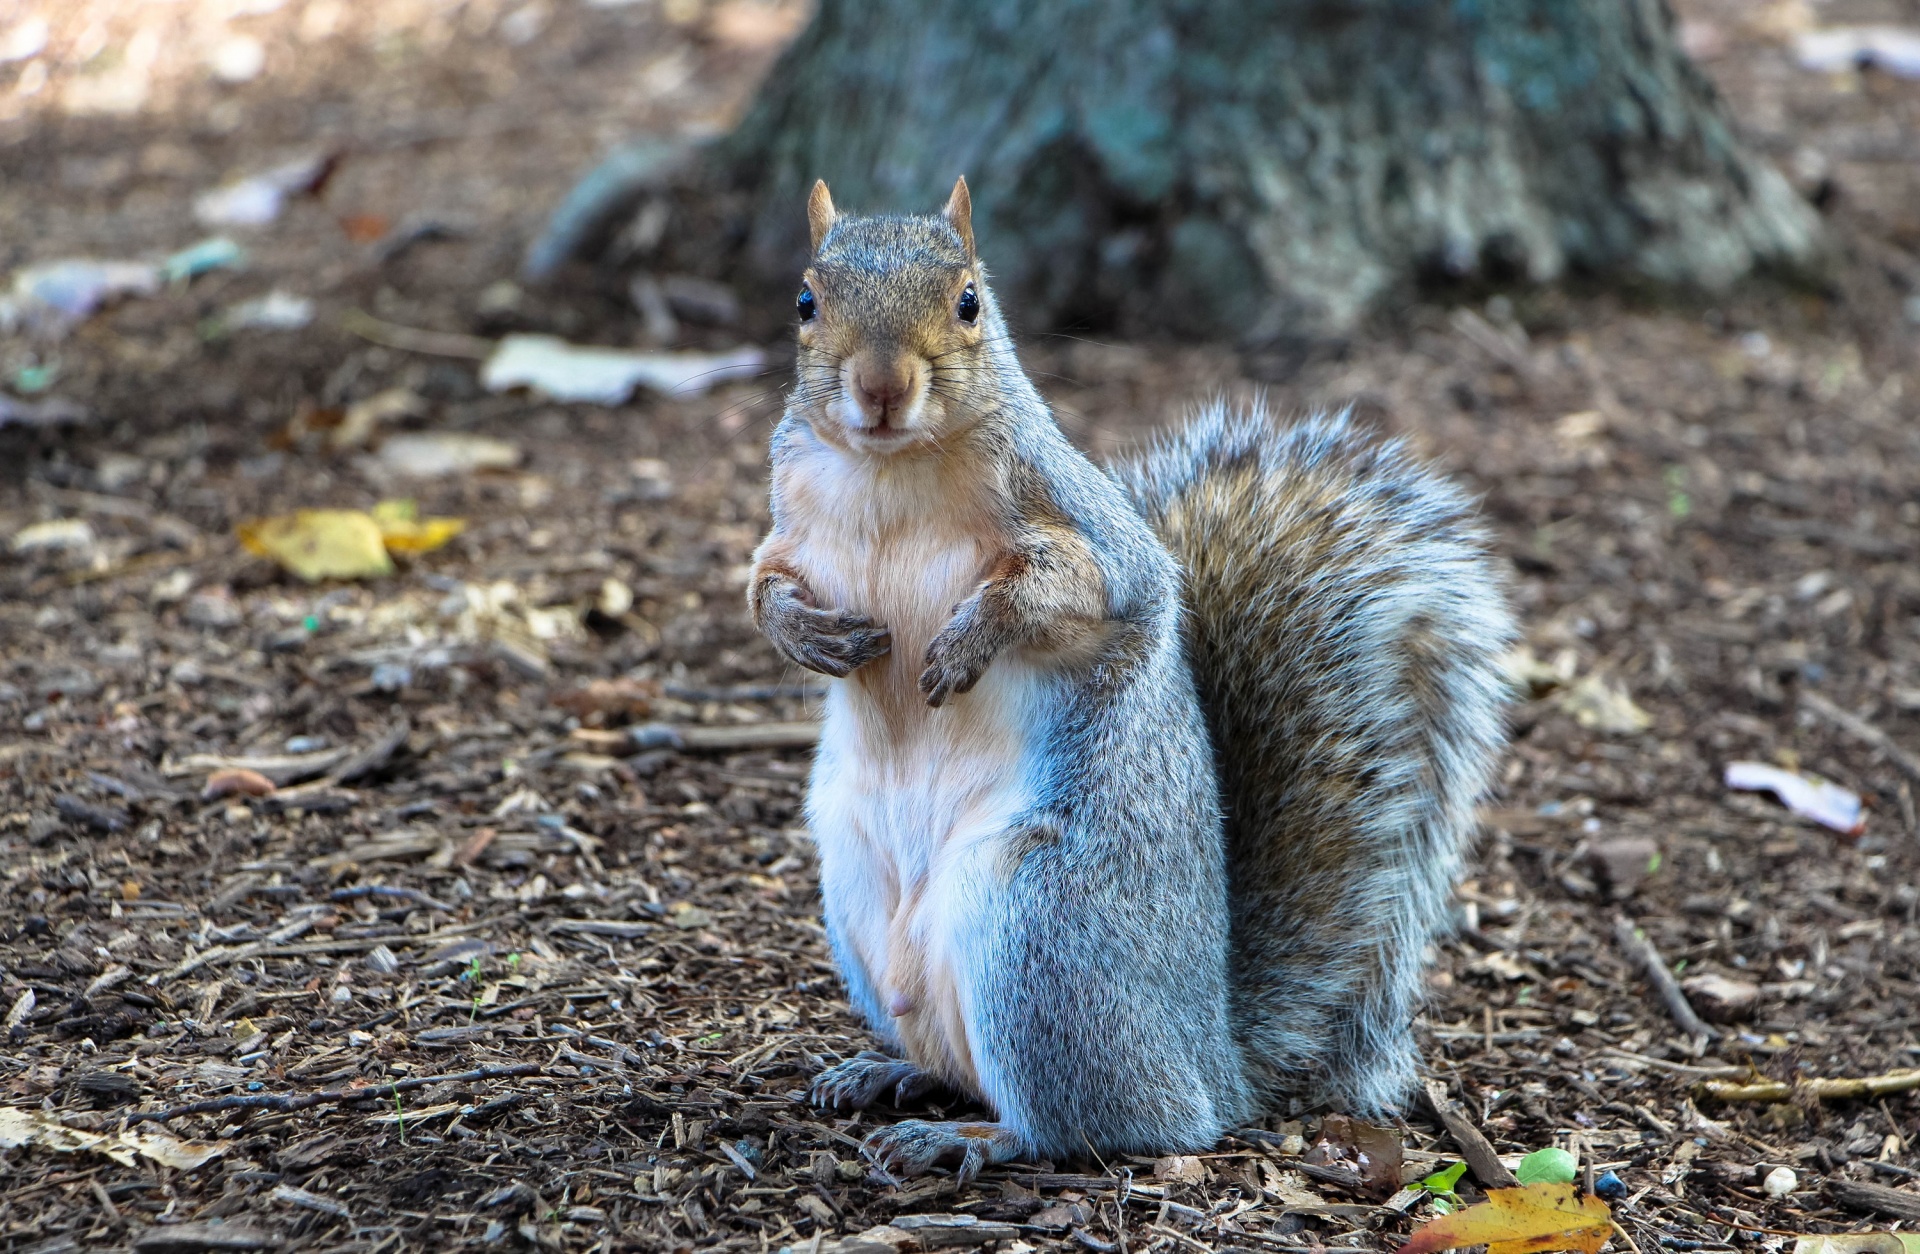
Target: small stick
<point>1641,950</point>
<point>387,890</point>
<point>1862,730</point>
<point>413,340</point>
<point>1679,1068</point>
<point>281,1102</point>
<point>1820,1090</point>
<point>1474,1146</point>
<point>724,738</point>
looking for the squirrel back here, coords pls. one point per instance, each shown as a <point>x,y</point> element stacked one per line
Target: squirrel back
<point>1343,619</point>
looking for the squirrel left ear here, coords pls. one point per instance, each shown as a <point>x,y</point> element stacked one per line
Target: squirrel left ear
<point>959,213</point>
<point>820,212</point>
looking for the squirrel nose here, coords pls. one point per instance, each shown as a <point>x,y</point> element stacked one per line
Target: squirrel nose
<point>881,390</point>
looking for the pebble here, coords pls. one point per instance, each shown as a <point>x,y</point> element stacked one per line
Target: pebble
<point>1780,1182</point>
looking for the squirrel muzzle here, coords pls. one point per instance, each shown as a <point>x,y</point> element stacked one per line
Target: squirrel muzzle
<point>884,389</point>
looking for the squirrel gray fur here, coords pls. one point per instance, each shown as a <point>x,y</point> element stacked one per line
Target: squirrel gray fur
<point>1140,794</point>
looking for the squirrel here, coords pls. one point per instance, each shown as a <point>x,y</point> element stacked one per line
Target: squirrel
<point>1140,792</point>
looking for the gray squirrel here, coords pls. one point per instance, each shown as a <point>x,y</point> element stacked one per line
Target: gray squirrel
<point>1140,793</point>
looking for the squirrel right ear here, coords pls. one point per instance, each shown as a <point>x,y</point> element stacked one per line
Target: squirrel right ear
<point>959,212</point>
<point>820,214</point>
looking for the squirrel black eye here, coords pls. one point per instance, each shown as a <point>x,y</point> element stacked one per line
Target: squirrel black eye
<point>805,303</point>
<point>969,304</point>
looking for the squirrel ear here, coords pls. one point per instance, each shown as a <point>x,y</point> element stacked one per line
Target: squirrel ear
<point>959,212</point>
<point>820,213</point>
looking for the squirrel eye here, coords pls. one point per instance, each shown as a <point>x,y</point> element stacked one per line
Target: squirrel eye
<point>805,303</point>
<point>969,304</point>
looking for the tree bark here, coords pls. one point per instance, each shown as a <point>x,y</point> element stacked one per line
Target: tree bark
<point>1267,170</point>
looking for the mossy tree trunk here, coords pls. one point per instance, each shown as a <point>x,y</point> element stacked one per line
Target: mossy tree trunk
<point>1270,169</point>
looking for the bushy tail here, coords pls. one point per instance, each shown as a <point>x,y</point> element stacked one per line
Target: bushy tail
<point>1344,619</point>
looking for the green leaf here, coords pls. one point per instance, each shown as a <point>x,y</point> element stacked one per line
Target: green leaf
<point>1546,1166</point>
<point>1442,1181</point>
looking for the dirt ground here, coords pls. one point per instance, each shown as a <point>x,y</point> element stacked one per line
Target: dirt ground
<point>559,984</point>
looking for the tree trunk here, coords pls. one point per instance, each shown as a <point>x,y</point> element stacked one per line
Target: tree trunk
<point>1267,170</point>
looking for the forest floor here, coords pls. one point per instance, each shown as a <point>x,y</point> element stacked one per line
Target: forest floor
<point>609,951</point>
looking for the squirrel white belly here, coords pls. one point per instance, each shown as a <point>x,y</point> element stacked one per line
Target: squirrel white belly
<point>908,804</point>
<point>1139,795</point>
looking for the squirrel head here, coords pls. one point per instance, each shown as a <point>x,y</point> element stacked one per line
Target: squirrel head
<point>895,319</point>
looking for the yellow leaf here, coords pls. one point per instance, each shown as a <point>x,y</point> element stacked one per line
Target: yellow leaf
<point>1531,1220</point>
<point>398,510</point>
<point>404,531</point>
<point>318,544</point>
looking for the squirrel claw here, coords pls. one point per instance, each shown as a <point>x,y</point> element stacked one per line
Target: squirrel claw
<point>835,642</point>
<point>946,675</point>
<point>859,1082</point>
<point>914,1146</point>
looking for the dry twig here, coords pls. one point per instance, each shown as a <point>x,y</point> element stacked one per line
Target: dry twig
<point>282,1102</point>
<point>1863,731</point>
<point>1820,1090</point>
<point>1642,951</point>
<point>1474,1146</point>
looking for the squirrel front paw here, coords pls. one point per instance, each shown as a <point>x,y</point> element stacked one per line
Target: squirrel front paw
<point>832,642</point>
<point>959,655</point>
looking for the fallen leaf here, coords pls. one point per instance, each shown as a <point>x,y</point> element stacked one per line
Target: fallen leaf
<point>1374,1153</point>
<point>1291,1190</point>
<point>1529,1220</point>
<point>257,201</point>
<point>608,376</point>
<point>1808,796</point>
<point>404,531</point>
<point>1546,1166</point>
<point>20,1128</point>
<point>1888,48</point>
<point>276,311</point>
<point>1601,704</point>
<point>318,544</point>
<point>363,418</point>
<point>1181,1169</point>
<point>437,454</point>
<point>1720,999</point>
<point>1439,1188</point>
<point>56,295</point>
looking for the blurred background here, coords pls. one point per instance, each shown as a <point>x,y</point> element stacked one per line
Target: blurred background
<point>384,393</point>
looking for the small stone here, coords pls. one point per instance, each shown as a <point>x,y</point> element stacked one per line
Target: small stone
<point>391,676</point>
<point>1780,1182</point>
<point>58,535</point>
<point>1623,863</point>
<point>213,609</point>
<point>239,59</point>
<point>1720,999</point>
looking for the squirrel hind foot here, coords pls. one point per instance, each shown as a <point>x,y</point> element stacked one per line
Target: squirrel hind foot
<point>914,1147</point>
<point>861,1081</point>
